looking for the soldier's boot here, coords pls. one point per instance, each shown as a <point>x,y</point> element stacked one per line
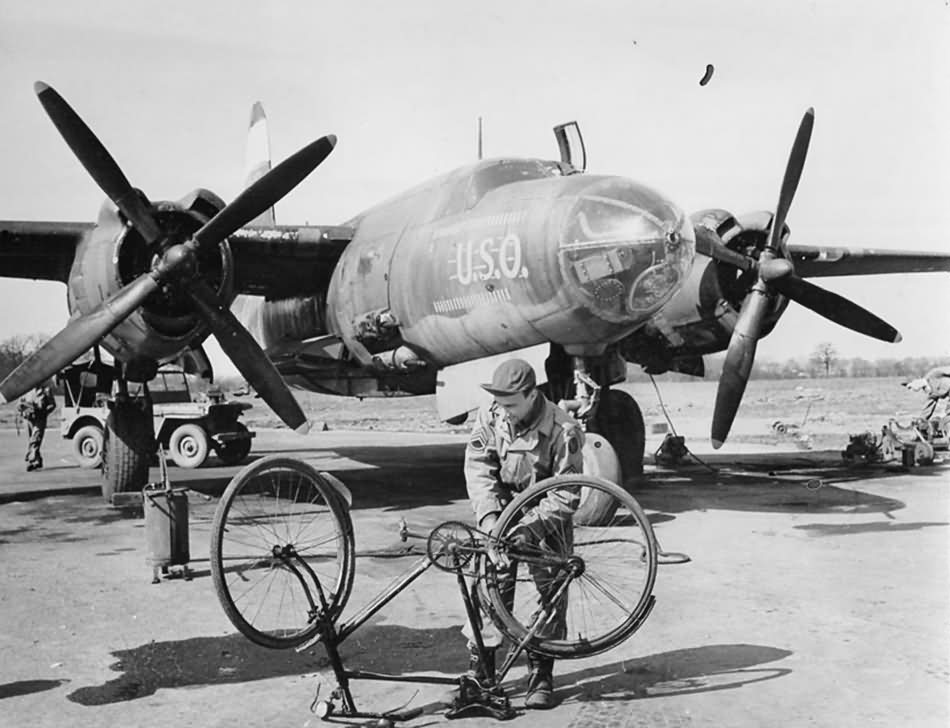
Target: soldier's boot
<point>540,693</point>
<point>477,669</point>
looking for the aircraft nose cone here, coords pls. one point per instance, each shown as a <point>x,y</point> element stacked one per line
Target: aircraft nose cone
<point>624,250</point>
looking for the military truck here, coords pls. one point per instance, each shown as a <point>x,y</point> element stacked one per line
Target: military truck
<point>188,425</point>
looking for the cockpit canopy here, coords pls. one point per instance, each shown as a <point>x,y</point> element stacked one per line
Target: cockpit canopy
<point>494,173</point>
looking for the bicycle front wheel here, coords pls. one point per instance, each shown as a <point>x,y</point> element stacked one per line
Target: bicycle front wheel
<point>578,589</point>
<point>281,551</point>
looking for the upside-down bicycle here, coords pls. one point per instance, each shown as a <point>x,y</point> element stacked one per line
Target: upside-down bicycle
<point>283,563</point>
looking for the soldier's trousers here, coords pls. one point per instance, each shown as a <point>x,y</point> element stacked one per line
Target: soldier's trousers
<point>35,432</point>
<point>547,582</point>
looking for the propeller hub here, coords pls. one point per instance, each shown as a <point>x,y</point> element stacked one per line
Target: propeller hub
<point>179,259</point>
<point>771,269</point>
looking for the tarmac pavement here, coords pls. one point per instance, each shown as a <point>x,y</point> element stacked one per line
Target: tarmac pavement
<point>816,595</point>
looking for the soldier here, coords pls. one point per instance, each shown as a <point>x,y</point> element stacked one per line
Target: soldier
<point>519,439</point>
<point>936,385</point>
<point>34,407</point>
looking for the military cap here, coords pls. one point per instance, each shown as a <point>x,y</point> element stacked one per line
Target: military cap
<point>511,377</point>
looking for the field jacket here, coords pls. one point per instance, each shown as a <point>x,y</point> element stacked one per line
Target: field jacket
<point>500,461</point>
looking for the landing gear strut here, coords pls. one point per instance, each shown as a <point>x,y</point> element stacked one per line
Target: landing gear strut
<point>615,416</point>
<point>128,443</point>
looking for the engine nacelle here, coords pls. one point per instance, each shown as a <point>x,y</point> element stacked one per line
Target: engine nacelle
<point>114,255</point>
<point>700,318</point>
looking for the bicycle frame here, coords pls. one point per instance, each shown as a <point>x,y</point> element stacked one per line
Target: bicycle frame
<point>475,697</point>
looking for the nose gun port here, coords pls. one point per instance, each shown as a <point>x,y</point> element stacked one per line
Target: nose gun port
<point>625,250</point>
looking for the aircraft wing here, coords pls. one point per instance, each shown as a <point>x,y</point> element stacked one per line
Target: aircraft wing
<point>279,261</point>
<point>283,261</point>
<point>813,261</point>
<point>39,250</point>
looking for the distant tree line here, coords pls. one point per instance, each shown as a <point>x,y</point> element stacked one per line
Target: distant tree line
<point>17,348</point>
<point>822,362</point>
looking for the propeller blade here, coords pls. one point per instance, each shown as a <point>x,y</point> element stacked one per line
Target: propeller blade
<point>78,336</point>
<point>793,174</point>
<point>98,162</point>
<point>248,356</point>
<point>266,191</point>
<point>738,365</point>
<point>836,308</point>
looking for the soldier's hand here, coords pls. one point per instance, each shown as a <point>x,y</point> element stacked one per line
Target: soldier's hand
<point>496,556</point>
<point>488,522</point>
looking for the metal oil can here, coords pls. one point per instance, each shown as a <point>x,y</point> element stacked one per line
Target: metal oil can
<point>166,528</point>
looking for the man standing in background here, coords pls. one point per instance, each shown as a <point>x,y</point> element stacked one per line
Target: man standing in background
<point>35,407</point>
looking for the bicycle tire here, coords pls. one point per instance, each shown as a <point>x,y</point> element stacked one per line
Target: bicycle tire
<point>274,506</point>
<point>610,594</point>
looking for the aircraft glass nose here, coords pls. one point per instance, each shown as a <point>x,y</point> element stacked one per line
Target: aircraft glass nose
<point>625,249</point>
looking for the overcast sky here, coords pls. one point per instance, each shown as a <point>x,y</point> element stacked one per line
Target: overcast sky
<point>168,88</point>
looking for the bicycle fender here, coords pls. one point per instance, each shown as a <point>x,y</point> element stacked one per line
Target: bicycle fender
<point>338,486</point>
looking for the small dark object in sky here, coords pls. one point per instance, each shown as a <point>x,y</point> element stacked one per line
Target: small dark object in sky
<point>708,75</point>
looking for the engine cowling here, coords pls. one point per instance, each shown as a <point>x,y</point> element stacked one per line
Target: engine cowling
<point>114,254</point>
<point>701,317</point>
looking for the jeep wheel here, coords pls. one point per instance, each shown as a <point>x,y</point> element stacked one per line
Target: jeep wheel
<point>189,446</point>
<point>126,447</point>
<point>87,446</point>
<point>232,452</point>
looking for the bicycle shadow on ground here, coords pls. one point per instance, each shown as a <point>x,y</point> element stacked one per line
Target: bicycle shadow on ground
<point>234,659</point>
<point>677,672</point>
<point>687,671</point>
<point>398,650</point>
<point>26,687</point>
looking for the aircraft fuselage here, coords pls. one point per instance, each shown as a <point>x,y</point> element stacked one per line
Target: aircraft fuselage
<point>506,254</point>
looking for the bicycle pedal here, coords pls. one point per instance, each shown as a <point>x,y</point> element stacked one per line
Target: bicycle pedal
<point>481,710</point>
<point>476,701</point>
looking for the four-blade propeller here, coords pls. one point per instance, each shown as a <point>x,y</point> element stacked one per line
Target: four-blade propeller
<point>775,275</point>
<point>176,266</point>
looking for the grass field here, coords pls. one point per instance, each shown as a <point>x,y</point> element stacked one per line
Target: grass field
<point>826,410</point>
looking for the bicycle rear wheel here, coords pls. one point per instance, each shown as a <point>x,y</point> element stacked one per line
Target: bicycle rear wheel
<point>582,588</point>
<point>281,551</point>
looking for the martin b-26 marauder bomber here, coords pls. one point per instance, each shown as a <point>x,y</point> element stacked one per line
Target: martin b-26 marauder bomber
<point>424,293</point>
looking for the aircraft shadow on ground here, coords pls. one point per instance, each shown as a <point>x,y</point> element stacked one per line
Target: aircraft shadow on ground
<point>49,516</point>
<point>398,477</point>
<point>397,650</point>
<point>811,483</point>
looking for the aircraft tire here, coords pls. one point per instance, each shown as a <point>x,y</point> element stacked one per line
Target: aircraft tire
<point>127,446</point>
<point>620,421</point>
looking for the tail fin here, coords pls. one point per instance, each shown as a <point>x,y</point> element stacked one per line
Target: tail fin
<point>257,160</point>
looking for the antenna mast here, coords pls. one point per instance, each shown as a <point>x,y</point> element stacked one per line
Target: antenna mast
<point>479,138</point>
